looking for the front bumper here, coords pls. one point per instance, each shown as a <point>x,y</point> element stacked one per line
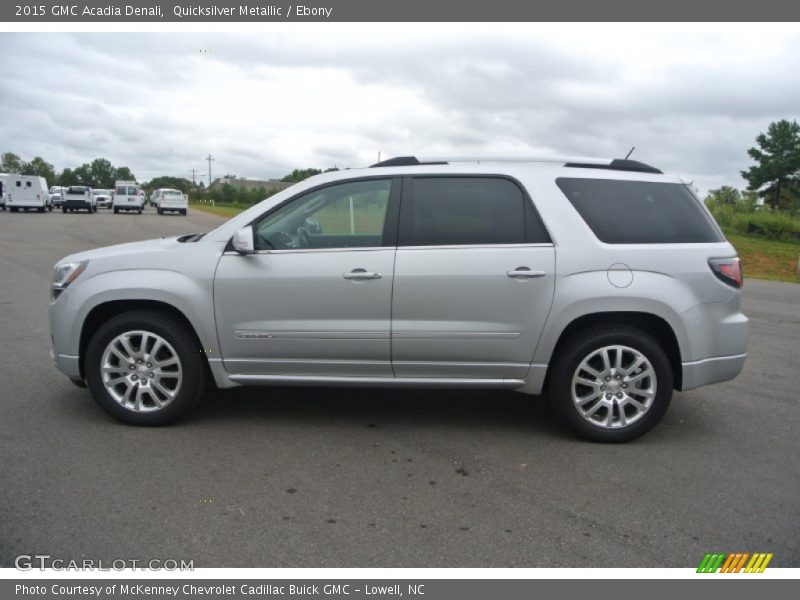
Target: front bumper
<point>69,365</point>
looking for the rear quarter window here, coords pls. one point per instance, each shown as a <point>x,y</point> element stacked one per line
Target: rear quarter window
<point>640,212</point>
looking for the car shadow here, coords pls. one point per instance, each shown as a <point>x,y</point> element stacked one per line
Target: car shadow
<point>444,409</point>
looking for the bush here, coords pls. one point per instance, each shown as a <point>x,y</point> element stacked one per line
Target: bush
<point>769,225</point>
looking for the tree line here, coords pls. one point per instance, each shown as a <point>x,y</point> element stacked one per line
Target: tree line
<point>99,173</point>
<point>775,177</point>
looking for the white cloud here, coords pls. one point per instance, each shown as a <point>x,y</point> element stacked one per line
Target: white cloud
<point>691,100</point>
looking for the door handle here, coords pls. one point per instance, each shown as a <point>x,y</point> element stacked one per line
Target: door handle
<point>525,273</point>
<point>361,275</point>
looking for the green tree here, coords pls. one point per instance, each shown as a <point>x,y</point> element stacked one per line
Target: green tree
<point>123,174</point>
<point>82,175</point>
<point>165,181</point>
<point>724,195</point>
<point>11,163</point>
<point>42,168</point>
<point>102,173</point>
<point>300,175</point>
<point>67,177</point>
<point>778,158</point>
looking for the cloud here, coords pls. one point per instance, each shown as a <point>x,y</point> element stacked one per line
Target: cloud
<point>691,101</point>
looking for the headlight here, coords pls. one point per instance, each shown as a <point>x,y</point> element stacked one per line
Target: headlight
<point>65,274</point>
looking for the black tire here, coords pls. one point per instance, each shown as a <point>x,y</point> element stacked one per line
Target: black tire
<point>64,210</point>
<point>159,211</point>
<point>575,349</point>
<point>183,212</point>
<point>116,211</point>
<point>195,373</point>
<point>14,209</point>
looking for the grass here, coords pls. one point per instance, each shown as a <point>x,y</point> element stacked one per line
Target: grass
<point>761,258</point>
<point>767,259</point>
<point>219,210</point>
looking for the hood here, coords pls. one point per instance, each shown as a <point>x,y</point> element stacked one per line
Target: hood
<point>122,254</point>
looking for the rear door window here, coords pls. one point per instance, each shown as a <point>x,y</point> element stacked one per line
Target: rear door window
<point>640,212</point>
<point>466,211</point>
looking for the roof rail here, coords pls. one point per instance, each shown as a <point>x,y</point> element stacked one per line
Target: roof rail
<point>617,164</point>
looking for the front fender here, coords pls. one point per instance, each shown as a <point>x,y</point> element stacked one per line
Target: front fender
<point>192,297</point>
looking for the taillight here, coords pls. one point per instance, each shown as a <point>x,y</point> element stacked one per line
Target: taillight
<point>727,270</point>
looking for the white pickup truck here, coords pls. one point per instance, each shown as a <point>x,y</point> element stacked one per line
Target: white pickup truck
<point>170,200</point>
<point>78,197</point>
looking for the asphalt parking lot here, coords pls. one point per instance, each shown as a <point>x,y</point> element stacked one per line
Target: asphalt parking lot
<point>302,477</point>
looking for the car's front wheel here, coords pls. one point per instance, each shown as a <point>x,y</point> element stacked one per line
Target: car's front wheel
<point>611,383</point>
<point>145,368</point>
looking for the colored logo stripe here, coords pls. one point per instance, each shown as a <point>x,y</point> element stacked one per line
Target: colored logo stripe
<point>710,563</point>
<point>734,563</point>
<point>758,563</point>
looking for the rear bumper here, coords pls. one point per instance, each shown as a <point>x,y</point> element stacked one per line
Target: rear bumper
<point>76,204</point>
<point>711,370</point>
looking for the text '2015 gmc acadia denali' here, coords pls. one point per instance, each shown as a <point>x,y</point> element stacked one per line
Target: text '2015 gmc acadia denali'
<point>604,283</point>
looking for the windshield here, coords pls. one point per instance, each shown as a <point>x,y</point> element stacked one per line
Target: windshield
<point>171,193</point>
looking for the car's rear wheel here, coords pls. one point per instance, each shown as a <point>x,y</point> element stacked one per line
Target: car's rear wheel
<point>145,368</point>
<point>611,383</point>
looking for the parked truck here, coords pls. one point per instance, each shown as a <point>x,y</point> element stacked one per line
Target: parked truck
<point>79,197</point>
<point>2,191</point>
<point>167,200</point>
<point>57,195</point>
<point>26,192</point>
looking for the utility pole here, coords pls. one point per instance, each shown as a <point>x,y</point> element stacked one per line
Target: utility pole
<point>209,158</point>
<point>193,171</point>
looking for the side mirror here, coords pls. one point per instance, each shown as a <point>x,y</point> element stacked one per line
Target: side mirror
<point>243,240</point>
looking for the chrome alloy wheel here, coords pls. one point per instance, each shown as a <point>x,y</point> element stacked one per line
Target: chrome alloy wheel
<point>141,371</point>
<point>614,386</point>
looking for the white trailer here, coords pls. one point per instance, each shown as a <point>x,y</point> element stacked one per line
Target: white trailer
<point>2,191</point>
<point>168,200</point>
<point>127,196</point>
<point>24,192</point>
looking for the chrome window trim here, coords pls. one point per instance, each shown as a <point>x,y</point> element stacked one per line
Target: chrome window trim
<point>374,248</point>
<point>476,246</point>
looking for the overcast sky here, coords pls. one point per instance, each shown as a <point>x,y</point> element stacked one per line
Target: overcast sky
<point>262,104</point>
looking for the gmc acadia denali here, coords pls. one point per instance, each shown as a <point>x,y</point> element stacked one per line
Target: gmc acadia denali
<point>604,284</point>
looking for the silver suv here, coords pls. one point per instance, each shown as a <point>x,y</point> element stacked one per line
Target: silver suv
<point>604,284</point>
